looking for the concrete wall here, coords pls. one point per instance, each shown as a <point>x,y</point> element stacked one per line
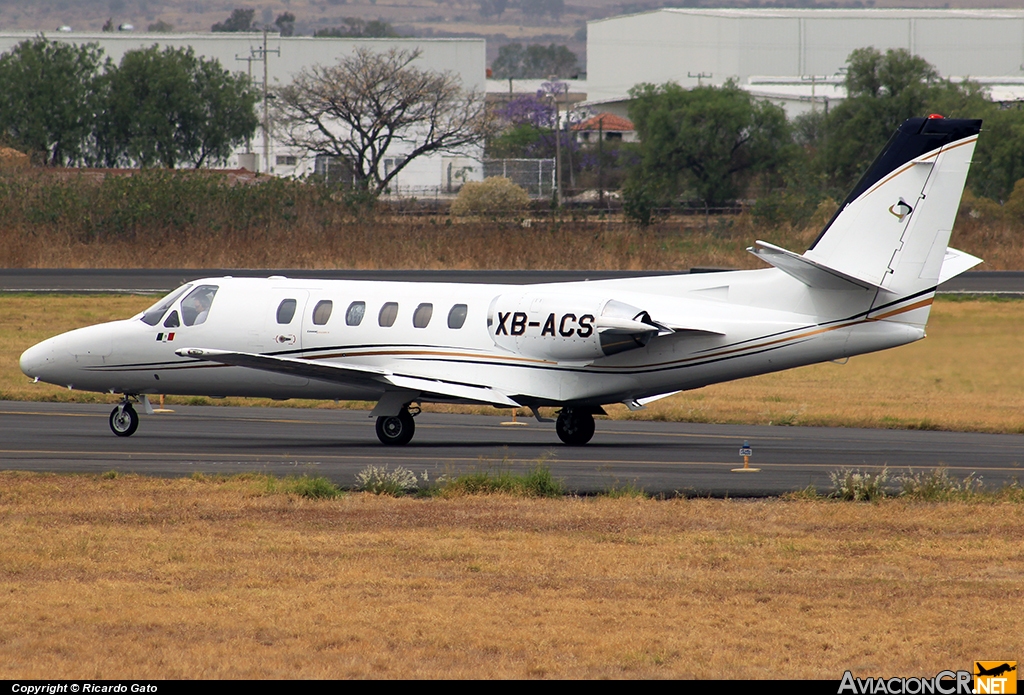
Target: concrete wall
<point>678,44</point>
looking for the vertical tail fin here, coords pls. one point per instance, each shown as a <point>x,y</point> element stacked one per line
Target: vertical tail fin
<point>893,228</point>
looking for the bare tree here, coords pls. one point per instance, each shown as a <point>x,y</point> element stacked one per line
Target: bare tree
<point>371,105</point>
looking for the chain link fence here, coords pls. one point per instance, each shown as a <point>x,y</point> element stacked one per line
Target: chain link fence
<point>536,176</point>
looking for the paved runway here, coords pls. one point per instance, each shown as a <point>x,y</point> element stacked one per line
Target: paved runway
<point>659,457</point>
<point>164,280</point>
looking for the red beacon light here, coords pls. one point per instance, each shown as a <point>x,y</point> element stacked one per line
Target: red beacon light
<point>935,115</point>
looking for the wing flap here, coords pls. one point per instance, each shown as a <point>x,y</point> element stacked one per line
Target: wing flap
<point>466,392</point>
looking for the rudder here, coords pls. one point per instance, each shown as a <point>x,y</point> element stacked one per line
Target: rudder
<point>893,228</point>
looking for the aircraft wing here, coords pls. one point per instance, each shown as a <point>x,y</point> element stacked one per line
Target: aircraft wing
<point>352,374</point>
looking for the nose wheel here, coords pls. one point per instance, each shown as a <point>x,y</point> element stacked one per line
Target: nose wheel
<point>396,430</point>
<point>124,420</point>
<point>574,428</point>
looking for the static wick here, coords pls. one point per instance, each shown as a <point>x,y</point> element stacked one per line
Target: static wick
<point>746,452</point>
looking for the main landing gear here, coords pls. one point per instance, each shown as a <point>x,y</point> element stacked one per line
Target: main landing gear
<point>397,430</point>
<point>123,419</point>
<point>574,427</point>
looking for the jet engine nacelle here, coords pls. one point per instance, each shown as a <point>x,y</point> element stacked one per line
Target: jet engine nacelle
<point>566,327</point>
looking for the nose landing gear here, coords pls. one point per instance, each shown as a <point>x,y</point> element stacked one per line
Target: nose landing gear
<point>123,419</point>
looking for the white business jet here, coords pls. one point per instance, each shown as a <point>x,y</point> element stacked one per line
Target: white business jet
<point>867,283</point>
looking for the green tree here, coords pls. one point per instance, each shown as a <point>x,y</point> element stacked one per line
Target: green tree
<point>370,106</point>
<point>491,8</point>
<point>49,100</point>
<point>285,23</point>
<point>537,8</point>
<point>707,142</point>
<point>356,28</point>
<point>883,90</point>
<point>165,108</point>
<point>240,20</point>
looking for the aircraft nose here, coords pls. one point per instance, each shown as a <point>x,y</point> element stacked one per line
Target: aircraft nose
<point>37,358</point>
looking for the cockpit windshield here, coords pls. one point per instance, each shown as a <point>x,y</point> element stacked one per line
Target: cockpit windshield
<point>153,314</point>
<point>196,306</point>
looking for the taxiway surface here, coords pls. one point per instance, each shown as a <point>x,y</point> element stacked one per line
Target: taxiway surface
<point>658,457</point>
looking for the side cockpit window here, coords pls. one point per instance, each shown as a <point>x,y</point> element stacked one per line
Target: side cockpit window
<point>195,307</point>
<point>153,314</point>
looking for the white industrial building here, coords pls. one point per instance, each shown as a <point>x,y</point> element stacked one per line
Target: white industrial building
<point>285,57</point>
<point>790,56</point>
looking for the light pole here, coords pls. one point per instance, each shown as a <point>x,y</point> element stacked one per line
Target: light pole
<point>558,142</point>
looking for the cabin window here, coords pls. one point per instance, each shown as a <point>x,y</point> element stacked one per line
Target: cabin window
<point>355,313</point>
<point>322,312</point>
<point>388,314</point>
<point>457,316</point>
<point>153,314</point>
<point>172,320</point>
<point>421,317</point>
<point>195,307</point>
<point>286,310</point>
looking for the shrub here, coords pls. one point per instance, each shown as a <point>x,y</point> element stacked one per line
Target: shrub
<point>537,482</point>
<point>618,490</point>
<point>381,481</point>
<point>937,486</point>
<point>495,198</point>
<point>854,486</point>
<point>319,488</point>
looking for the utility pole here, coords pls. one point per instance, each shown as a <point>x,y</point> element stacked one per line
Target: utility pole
<point>814,80</point>
<point>700,76</point>
<point>553,79</point>
<point>261,54</point>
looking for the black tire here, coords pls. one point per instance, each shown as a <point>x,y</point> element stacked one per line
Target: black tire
<point>396,430</point>
<point>124,421</point>
<point>575,428</point>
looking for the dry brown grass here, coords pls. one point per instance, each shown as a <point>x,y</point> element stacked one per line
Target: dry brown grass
<point>151,578</point>
<point>678,243</point>
<point>967,375</point>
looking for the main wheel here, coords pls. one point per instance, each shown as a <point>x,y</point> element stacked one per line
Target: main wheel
<point>395,429</point>
<point>575,428</point>
<point>124,420</point>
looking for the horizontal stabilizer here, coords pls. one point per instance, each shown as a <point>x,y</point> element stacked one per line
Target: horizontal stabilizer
<point>350,374</point>
<point>811,273</point>
<point>956,262</point>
